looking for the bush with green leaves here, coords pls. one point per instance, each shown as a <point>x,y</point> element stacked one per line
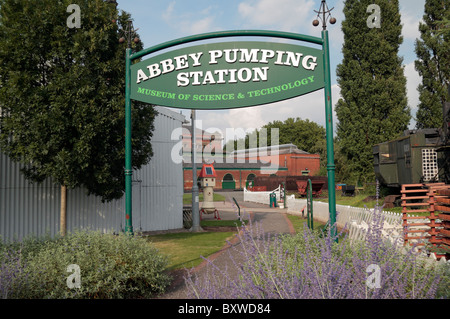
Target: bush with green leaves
<point>111,266</point>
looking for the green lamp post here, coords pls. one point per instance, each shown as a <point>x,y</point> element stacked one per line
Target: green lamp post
<point>128,166</point>
<point>325,12</point>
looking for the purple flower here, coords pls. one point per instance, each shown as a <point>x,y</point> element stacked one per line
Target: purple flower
<point>312,265</point>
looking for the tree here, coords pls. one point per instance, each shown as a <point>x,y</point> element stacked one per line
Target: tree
<point>62,95</point>
<point>305,134</point>
<point>373,107</point>
<point>433,63</point>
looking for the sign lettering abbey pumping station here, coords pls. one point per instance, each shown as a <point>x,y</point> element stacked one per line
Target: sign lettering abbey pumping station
<point>227,75</point>
<point>224,75</point>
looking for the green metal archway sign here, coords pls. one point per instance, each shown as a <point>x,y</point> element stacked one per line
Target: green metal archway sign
<point>229,74</point>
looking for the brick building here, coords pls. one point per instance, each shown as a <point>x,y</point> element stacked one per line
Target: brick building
<point>236,169</point>
<point>230,175</point>
<point>297,162</point>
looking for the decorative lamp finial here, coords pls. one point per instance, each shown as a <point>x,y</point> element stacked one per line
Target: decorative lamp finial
<point>324,11</point>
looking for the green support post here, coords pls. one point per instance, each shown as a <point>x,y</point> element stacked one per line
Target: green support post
<point>128,167</point>
<point>309,201</point>
<point>329,133</point>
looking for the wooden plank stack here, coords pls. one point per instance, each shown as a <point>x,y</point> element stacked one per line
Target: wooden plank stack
<point>443,207</point>
<point>426,231</point>
<point>414,200</point>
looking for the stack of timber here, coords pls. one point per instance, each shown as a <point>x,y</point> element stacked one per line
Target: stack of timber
<point>419,230</point>
<point>414,200</point>
<point>443,207</point>
<point>426,231</point>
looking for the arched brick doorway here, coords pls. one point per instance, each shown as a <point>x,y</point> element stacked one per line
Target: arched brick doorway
<point>250,178</point>
<point>228,182</point>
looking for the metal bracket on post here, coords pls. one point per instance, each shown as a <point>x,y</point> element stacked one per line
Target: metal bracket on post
<point>128,202</point>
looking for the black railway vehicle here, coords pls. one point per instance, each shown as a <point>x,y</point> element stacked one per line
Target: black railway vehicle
<point>419,156</point>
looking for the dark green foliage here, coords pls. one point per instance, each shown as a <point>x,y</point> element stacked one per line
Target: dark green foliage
<point>62,95</point>
<point>111,267</point>
<point>373,107</point>
<point>306,135</point>
<point>433,64</point>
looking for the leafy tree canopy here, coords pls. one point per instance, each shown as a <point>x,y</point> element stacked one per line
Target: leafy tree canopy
<point>373,107</point>
<point>62,95</point>
<point>305,134</point>
<point>433,63</point>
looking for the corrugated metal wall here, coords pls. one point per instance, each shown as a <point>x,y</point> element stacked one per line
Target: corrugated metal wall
<point>33,209</point>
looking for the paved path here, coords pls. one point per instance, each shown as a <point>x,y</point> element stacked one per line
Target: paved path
<point>271,220</point>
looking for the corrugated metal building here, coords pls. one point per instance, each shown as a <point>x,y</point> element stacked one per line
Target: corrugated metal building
<point>34,209</point>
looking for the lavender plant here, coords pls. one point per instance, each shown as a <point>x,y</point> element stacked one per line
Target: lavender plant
<point>12,275</point>
<point>308,265</point>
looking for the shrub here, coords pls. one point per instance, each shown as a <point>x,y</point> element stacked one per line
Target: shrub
<point>310,265</point>
<point>12,278</point>
<point>112,266</point>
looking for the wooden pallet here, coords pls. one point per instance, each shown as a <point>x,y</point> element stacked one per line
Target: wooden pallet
<point>443,207</point>
<point>421,230</point>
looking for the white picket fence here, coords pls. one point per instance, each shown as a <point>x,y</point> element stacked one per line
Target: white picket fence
<point>355,219</point>
<point>261,197</point>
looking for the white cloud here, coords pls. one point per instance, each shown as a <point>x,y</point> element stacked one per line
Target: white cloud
<point>310,106</point>
<point>410,30</point>
<point>203,25</point>
<point>413,80</point>
<point>285,15</point>
<point>247,119</point>
<point>412,7</point>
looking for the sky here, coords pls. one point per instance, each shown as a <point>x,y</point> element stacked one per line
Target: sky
<point>159,21</point>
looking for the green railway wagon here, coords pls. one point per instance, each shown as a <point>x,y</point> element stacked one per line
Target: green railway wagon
<point>412,158</point>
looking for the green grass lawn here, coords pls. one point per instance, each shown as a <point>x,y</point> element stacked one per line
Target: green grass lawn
<point>299,223</point>
<point>355,201</point>
<point>187,198</point>
<point>229,223</point>
<point>184,250</point>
